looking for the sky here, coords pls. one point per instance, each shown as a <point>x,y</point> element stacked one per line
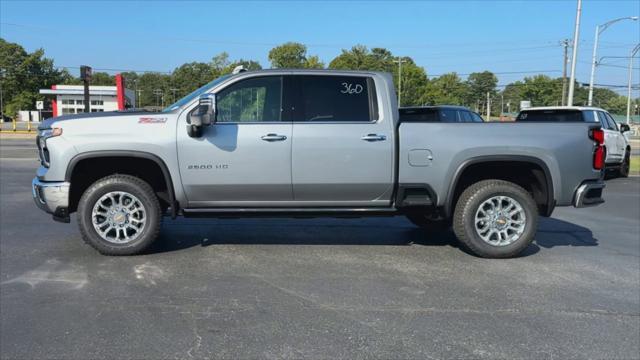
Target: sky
<point>511,38</point>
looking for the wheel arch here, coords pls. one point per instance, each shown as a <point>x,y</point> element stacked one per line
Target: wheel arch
<point>453,191</point>
<point>102,154</point>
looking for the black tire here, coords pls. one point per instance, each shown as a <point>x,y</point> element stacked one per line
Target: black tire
<point>423,221</point>
<point>626,165</point>
<point>471,199</point>
<point>134,186</point>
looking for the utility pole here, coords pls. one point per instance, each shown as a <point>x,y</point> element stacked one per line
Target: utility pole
<point>173,90</point>
<point>574,56</point>
<point>501,104</point>
<point>633,53</point>
<point>157,93</point>
<point>565,45</point>
<point>1,101</point>
<point>400,61</point>
<point>594,62</point>
<point>488,105</point>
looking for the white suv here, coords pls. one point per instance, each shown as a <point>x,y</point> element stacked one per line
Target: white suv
<point>616,144</point>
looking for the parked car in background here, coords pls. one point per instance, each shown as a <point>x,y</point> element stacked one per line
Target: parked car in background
<point>618,150</point>
<point>439,113</point>
<point>303,143</point>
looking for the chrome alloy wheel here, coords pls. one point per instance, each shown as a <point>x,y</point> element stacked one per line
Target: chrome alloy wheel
<point>500,220</point>
<point>118,217</point>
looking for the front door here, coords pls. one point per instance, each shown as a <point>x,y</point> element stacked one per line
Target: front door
<point>244,159</point>
<point>342,153</point>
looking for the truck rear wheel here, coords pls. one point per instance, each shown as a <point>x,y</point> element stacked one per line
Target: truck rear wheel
<point>495,219</point>
<point>119,215</point>
<point>626,165</point>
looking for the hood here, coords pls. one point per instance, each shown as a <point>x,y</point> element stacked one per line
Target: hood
<point>46,124</point>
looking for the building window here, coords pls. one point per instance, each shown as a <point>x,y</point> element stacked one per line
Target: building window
<point>79,102</point>
<point>68,102</point>
<point>97,102</point>
<point>68,111</point>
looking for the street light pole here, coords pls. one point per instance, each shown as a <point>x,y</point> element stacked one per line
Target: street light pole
<point>574,56</point>
<point>633,53</point>
<point>400,61</point>
<point>594,62</point>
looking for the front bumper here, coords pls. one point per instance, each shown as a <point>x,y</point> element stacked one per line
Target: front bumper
<point>52,197</point>
<point>589,194</point>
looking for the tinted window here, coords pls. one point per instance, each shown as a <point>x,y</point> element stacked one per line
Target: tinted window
<point>464,116</point>
<point>589,116</point>
<point>419,115</point>
<point>476,117</point>
<point>252,100</point>
<point>335,98</point>
<point>447,115</point>
<point>612,123</point>
<point>550,116</point>
<point>604,121</point>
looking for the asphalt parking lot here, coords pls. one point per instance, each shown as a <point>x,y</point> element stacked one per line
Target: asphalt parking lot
<point>317,288</point>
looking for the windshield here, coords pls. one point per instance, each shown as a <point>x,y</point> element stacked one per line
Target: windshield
<point>194,94</point>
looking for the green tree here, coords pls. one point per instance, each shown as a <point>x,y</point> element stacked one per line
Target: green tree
<point>23,74</point>
<point>414,78</point>
<point>445,89</point>
<point>292,55</point>
<point>479,84</point>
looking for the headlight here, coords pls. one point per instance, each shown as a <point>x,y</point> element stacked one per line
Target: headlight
<point>47,133</point>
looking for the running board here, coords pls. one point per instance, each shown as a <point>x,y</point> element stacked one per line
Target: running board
<point>289,212</point>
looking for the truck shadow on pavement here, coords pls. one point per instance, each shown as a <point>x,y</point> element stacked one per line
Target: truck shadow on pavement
<point>185,234</point>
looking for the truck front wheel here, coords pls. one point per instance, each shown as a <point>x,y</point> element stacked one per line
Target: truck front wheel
<point>119,215</point>
<point>495,219</point>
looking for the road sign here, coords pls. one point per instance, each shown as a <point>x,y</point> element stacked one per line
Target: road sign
<point>39,105</point>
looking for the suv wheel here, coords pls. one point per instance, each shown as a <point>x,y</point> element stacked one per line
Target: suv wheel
<point>119,215</point>
<point>626,164</point>
<point>495,219</point>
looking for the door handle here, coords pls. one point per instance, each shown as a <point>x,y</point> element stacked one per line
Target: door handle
<point>273,137</point>
<point>373,137</point>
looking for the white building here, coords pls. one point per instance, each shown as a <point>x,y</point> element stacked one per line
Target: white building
<point>69,99</point>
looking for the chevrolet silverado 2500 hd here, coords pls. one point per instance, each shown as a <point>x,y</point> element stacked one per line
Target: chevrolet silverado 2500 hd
<point>310,143</point>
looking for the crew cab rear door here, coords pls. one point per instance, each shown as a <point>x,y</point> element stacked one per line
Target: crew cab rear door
<point>342,150</point>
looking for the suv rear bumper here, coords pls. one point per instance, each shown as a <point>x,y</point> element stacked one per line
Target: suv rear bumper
<point>589,194</point>
<point>52,197</point>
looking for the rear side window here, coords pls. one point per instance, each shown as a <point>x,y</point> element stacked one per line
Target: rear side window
<point>448,115</point>
<point>465,116</point>
<point>604,121</point>
<point>336,98</point>
<point>476,117</point>
<point>550,116</point>
<point>589,116</point>
<point>612,123</point>
<point>419,115</point>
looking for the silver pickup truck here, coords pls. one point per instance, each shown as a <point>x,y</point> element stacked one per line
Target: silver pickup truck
<point>303,143</point>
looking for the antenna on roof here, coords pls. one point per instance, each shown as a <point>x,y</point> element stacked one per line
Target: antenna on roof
<point>238,69</point>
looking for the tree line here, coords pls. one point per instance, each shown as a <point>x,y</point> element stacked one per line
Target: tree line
<point>22,74</point>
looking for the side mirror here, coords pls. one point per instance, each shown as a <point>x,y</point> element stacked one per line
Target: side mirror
<point>624,128</point>
<point>204,115</point>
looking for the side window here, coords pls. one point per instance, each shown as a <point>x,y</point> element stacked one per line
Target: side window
<point>465,116</point>
<point>612,123</point>
<point>476,117</point>
<point>603,120</point>
<point>336,98</point>
<point>589,116</point>
<point>447,115</point>
<point>252,100</point>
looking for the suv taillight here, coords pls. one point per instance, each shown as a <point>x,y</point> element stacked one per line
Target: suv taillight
<point>600,152</point>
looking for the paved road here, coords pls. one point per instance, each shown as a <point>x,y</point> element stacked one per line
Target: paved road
<point>277,288</point>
